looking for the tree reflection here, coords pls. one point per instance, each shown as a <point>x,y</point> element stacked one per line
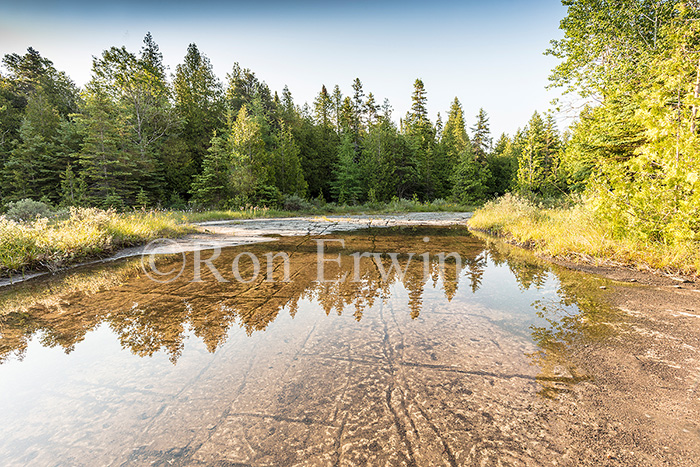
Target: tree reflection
<point>577,315</point>
<point>149,317</point>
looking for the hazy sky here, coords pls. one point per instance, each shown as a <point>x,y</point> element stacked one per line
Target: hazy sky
<point>488,54</point>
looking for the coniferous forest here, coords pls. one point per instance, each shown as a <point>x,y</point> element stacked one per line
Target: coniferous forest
<point>140,135</point>
<point>137,135</point>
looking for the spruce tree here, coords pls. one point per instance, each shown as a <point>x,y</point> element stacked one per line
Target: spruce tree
<point>347,185</point>
<point>421,136</point>
<point>107,154</point>
<point>470,178</point>
<point>199,105</point>
<point>288,175</point>
<point>481,137</point>
<point>33,168</point>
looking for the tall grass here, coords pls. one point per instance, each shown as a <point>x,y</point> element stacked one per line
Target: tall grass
<point>87,232</point>
<point>571,231</point>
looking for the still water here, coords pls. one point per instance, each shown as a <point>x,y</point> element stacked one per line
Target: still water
<point>454,363</point>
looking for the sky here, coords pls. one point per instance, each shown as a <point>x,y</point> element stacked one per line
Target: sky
<point>486,53</point>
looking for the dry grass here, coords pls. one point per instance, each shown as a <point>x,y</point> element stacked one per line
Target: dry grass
<point>573,232</point>
<point>87,232</point>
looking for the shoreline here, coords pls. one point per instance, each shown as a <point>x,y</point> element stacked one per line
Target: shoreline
<point>237,232</point>
<point>618,271</point>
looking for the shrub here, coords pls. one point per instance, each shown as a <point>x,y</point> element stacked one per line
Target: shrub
<point>296,203</point>
<point>27,210</point>
<point>267,195</point>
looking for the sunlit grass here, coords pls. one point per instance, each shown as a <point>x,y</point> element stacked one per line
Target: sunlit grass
<point>572,232</point>
<point>85,233</point>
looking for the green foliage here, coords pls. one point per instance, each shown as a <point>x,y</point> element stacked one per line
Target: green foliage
<point>84,233</point>
<point>606,45</point>
<point>347,187</point>
<point>502,165</point>
<point>481,136</point>
<point>142,200</point>
<point>470,178</point>
<point>131,138</point>
<point>636,154</point>
<point>27,210</point>
<point>267,196</point>
<point>199,106</point>
<point>286,165</point>
<point>296,203</point>
<point>538,158</point>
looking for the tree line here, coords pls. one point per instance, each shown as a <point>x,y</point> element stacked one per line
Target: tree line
<point>135,135</point>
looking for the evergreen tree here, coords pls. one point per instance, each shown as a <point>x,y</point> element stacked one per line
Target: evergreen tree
<point>236,164</point>
<point>538,158</point>
<point>371,109</point>
<point>33,168</point>
<point>337,103</point>
<point>138,88</point>
<point>288,175</point>
<point>347,185</point>
<point>454,142</point>
<point>214,186</point>
<point>199,105</point>
<point>421,136</point>
<point>323,108</point>
<point>469,181</point>
<point>72,188</point>
<point>107,155</point>
<point>359,110</point>
<point>481,137</point>
<point>502,164</point>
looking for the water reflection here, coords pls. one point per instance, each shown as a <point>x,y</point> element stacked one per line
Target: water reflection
<point>418,366</point>
<point>149,317</point>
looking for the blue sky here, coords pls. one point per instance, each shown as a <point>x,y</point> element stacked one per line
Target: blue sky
<point>488,54</point>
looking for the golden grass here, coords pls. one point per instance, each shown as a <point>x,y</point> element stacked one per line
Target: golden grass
<point>574,233</point>
<point>87,232</point>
